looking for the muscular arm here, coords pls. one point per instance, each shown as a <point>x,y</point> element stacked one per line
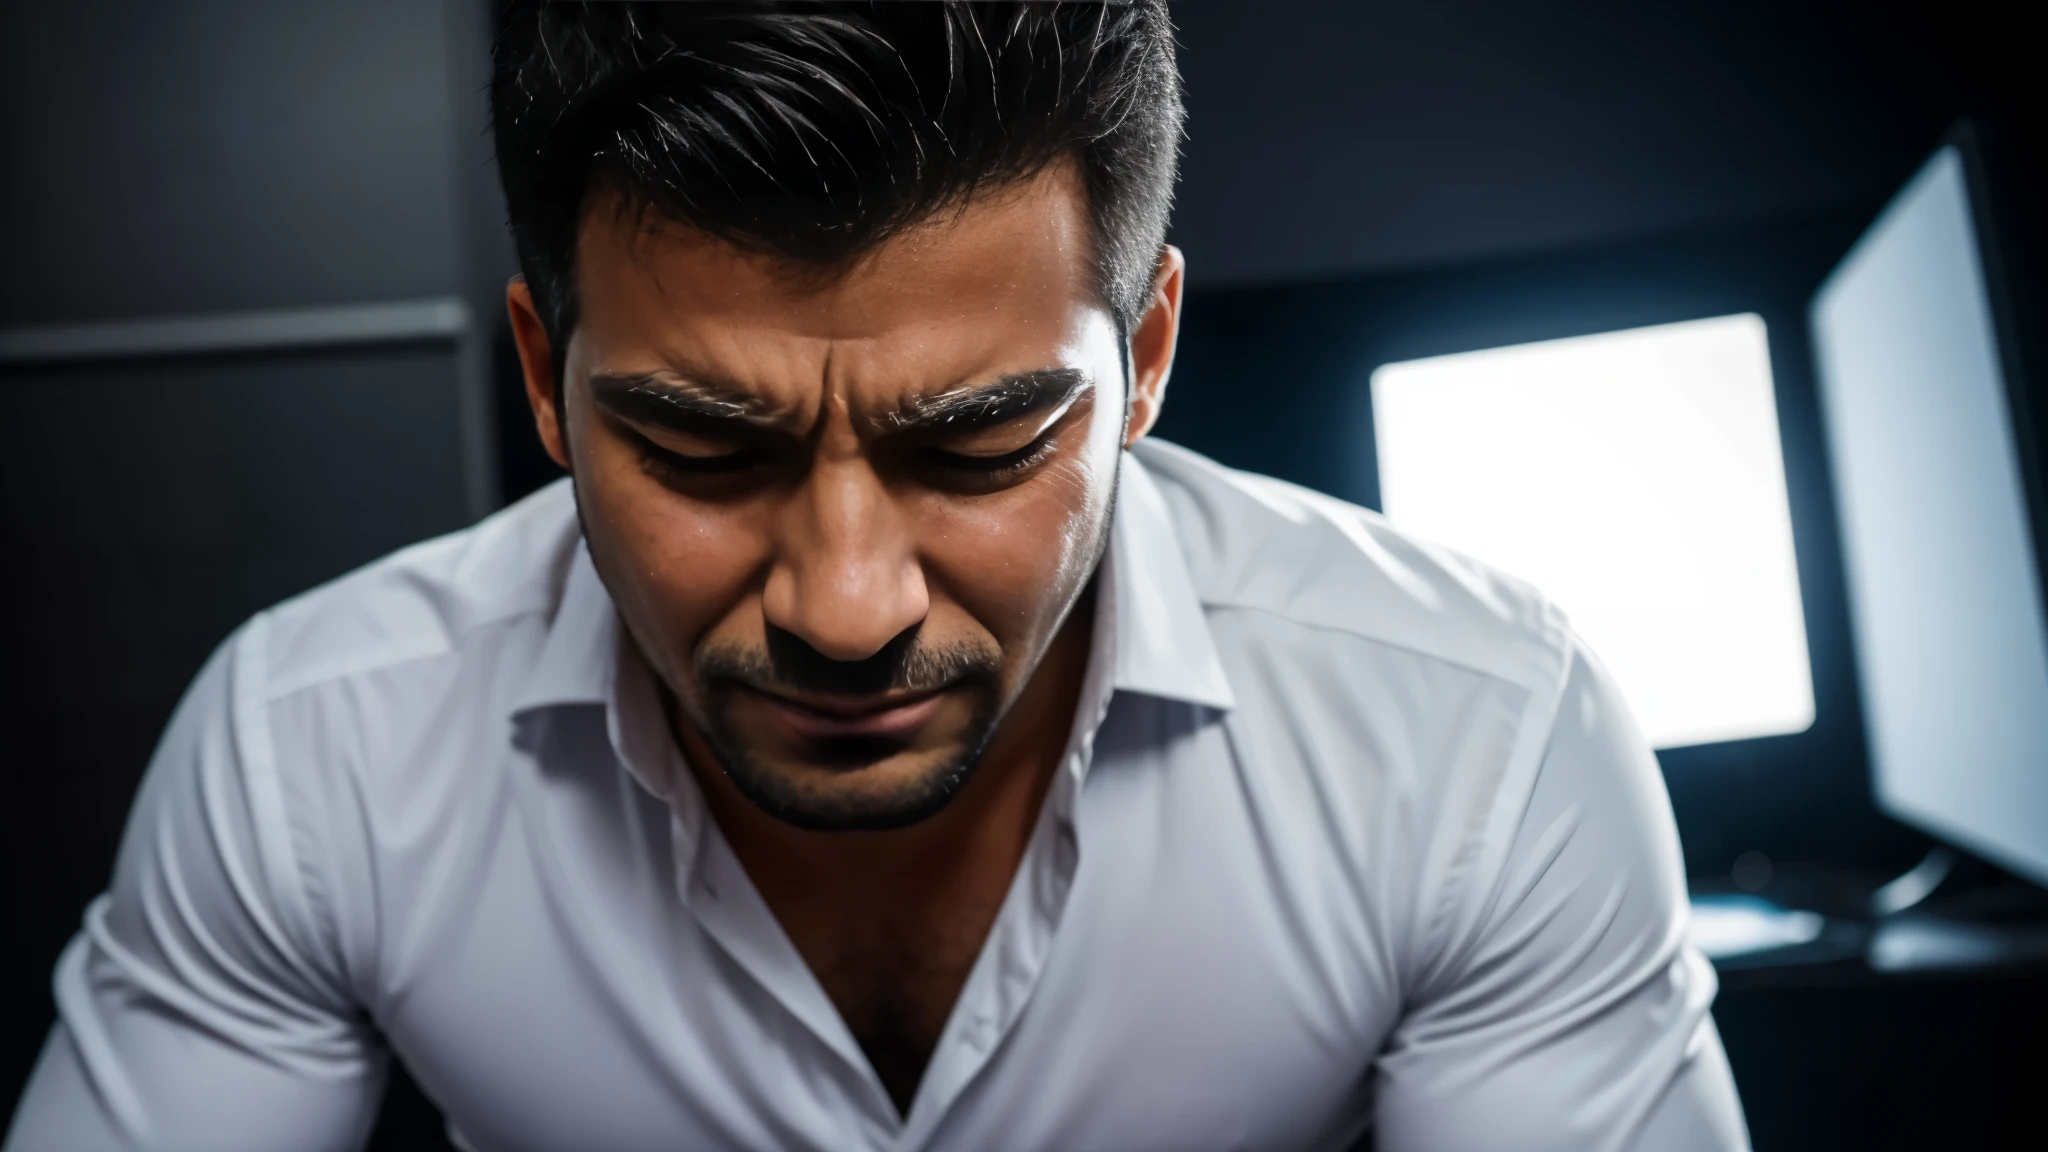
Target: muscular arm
<point>202,1005</point>
<point>1564,1009</point>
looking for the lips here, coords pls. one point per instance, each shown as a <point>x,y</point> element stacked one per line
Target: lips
<point>890,717</point>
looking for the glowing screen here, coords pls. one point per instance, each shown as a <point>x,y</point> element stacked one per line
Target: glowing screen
<point>1944,590</point>
<point>1636,478</point>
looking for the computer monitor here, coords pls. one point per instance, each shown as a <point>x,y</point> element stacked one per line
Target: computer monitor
<point>1938,510</point>
<point>1637,478</point>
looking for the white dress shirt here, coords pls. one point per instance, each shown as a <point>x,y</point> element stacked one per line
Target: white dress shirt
<point>1351,833</point>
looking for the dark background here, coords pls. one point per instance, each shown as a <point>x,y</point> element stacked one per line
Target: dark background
<point>1364,182</point>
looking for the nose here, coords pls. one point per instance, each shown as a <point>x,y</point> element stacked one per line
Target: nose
<point>845,578</point>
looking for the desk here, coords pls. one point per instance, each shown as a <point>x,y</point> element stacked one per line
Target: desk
<point>1926,1030</point>
<point>1950,1061</point>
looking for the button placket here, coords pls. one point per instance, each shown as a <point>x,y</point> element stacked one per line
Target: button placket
<point>732,913</point>
<point>713,885</point>
<point>1009,968</point>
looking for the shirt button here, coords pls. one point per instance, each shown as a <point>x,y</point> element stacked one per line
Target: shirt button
<point>980,1033</point>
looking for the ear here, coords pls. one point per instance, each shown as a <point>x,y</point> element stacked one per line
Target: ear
<point>537,363</point>
<point>1152,344</point>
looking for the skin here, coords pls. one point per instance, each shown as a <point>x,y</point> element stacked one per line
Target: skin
<point>851,522</point>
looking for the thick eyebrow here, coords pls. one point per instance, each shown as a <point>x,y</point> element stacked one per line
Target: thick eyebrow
<point>988,405</point>
<point>666,400</point>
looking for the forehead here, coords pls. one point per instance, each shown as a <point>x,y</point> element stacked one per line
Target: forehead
<point>1004,283</point>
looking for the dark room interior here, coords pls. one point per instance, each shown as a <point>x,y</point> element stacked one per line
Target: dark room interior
<point>253,333</point>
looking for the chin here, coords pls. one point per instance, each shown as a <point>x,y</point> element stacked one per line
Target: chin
<point>842,791</point>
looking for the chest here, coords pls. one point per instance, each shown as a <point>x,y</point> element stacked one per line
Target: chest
<point>894,968</point>
<point>1173,984</point>
<point>1158,1016</point>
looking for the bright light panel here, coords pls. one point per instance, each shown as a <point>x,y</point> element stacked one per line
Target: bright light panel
<point>1635,477</point>
<point>1944,589</point>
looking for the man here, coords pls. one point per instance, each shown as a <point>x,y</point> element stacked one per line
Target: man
<point>877,743</point>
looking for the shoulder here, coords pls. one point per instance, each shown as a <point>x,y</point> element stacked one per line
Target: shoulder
<point>1312,565</point>
<point>358,699</point>
<point>367,704</point>
<point>424,604</point>
<point>1397,695</point>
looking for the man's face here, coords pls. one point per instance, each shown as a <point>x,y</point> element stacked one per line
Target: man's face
<point>843,516</point>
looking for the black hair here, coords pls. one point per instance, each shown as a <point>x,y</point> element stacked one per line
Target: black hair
<point>815,131</point>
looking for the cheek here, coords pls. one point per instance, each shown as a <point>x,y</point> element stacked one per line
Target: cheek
<point>677,568</point>
<point>1014,559</point>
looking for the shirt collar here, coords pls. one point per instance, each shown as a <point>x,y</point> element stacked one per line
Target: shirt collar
<point>1159,635</point>
<point>578,660</point>
<point>584,661</point>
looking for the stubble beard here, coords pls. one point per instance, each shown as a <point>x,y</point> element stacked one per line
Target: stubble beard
<point>932,789</point>
<point>782,793</point>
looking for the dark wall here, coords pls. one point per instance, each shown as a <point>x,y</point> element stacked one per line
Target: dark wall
<point>199,198</point>
<point>200,157</point>
<point>1327,137</point>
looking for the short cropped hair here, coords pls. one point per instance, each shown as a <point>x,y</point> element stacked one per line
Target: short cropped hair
<point>815,131</point>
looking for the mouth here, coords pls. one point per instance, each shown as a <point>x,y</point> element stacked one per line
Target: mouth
<point>882,716</point>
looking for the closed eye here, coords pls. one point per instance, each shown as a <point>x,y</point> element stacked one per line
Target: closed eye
<point>734,458</point>
<point>999,464</point>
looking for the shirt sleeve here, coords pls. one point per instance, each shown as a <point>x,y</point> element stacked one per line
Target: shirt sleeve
<point>1565,1008</point>
<point>201,1005</point>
